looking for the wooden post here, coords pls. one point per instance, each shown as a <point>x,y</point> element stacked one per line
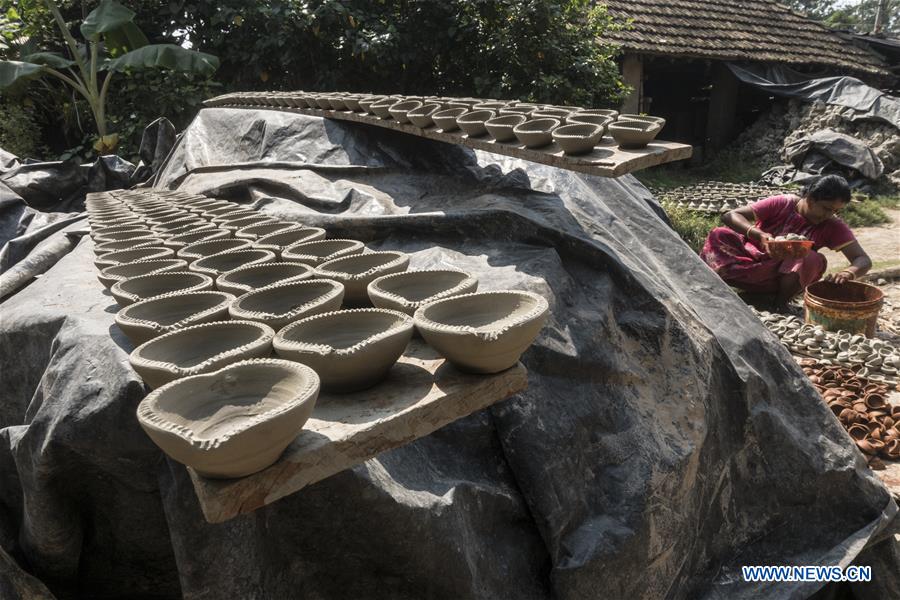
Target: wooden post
<point>633,75</point>
<point>722,108</point>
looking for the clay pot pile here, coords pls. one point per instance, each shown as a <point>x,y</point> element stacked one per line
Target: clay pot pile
<point>569,129</point>
<point>862,407</point>
<point>210,292</point>
<point>715,196</point>
<point>876,359</point>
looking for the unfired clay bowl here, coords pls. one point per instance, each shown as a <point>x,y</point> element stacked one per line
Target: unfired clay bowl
<point>641,118</point>
<point>234,421</point>
<point>117,234</point>
<point>234,215</point>
<point>252,277</point>
<point>125,256</point>
<point>400,109</point>
<point>351,350</point>
<point>282,303</point>
<point>237,224</point>
<point>501,128</point>
<point>218,264</point>
<point>253,232</point>
<point>126,244</point>
<point>590,119</point>
<point>579,138</point>
<point>153,317</point>
<point>142,287</point>
<point>560,114</point>
<point>177,242</point>
<point>472,123</point>
<point>357,271</point>
<point>446,119</point>
<point>112,275</point>
<point>277,242</point>
<point>421,117</point>
<point>410,290</point>
<point>200,349</point>
<point>484,332</point>
<point>536,133</point>
<point>317,252</point>
<point>211,248</point>
<point>634,134</point>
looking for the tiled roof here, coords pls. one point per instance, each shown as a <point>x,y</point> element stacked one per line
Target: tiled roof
<point>757,30</point>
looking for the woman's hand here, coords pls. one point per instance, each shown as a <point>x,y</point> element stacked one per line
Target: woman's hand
<point>758,234</point>
<point>840,277</point>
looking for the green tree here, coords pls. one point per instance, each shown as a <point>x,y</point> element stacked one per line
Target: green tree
<point>816,9</point>
<point>860,17</point>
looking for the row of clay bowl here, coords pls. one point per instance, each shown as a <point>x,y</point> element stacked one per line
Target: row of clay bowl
<point>715,196</point>
<point>876,359</point>
<point>575,130</point>
<point>862,407</point>
<point>207,316</point>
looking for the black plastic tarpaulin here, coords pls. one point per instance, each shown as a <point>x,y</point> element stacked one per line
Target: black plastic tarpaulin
<point>666,438</point>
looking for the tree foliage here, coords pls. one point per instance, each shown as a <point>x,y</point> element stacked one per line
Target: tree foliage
<point>858,17</point>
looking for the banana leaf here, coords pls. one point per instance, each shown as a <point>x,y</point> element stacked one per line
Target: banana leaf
<point>13,73</point>
<point>49,59</point>
<point>166,56</point>
<point>106,18</point>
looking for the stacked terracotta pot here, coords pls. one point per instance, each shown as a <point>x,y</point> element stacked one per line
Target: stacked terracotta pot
<point>862,407</point>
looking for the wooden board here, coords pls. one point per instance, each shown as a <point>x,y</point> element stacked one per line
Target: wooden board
<point>606,160</point>
<point>422,394</point>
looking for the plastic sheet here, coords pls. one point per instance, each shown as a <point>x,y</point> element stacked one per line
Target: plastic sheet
<point>666,438</point>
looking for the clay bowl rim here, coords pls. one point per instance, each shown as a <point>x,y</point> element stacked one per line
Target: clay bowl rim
<point>400,113</point>
<point>328,273</point>
<point>183,252</point>
<point>382,108</point>
<point>205,280</point>
<point>422,119</point>
<point>148,410</point>
<point>236,224</point>
<point>375,284</point>
<point>107,259</point>
<point>596,132</point>
<point>335,289</point>
<point>354,247</point>
<point>541,306</point>
<point>550,123</point>
<point>265,256</point>
<point>123,317</point>
<point>317,231</point>
<point>448,115</point>
<point>242,233</point>
<point>139,242</point>
<point>495,126</point>
<point>281,340</point>
<point>103,275</point>
<point>641,126</point>
<point>214,235</point>
<point>590,119</point>
<point>265,334</point>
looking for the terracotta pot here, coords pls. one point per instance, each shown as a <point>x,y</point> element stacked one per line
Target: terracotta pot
<point>252,277</point>
<point>316,252</point>
<point>633,134</point>
<point>484,332</point>
<point>141,287</point>
<point>200,349</point>
<point>234,421</point>
<point>501,128</point>
<point>410,290</point>
<point>400,110</point>
<point>218,264</point>
<point>147,319</point>
<point>282,303</point>
<point>446,119</point>
<point>579,138</point>
<point>536,133</point>
<point>357,271</point>
<point>472,123</point>
<point>177,242</point>
<point>206,248</point>
<point>124,256</point>
<point>112,275</point>
<point>351,350</point>
<point>421,117</point>
<point>254,232</point>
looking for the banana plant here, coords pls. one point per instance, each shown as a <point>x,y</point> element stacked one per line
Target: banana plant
<point>112,44</point>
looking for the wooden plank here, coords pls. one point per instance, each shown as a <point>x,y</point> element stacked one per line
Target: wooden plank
<point>421,394</point>
<point>606,160</point>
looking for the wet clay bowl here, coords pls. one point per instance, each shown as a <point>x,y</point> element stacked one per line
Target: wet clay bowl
<point>484,332</point>
<point>351,350</point>
<point>116,273</point>
<point>177,242</point>
<point>472,123</point>
<point>781,250</point>
<point>252,277</point>
<point>254,232</point>
<point>278,242</point>
<point>382,108</point>
<point>641,118</point>
<point>317,252</point>
<point>501,128</point>
<point>590,119</point>
<point>357,271</point>
<point>232,422</point>
<point>211,248</point>
<point>446,119</point>
<point>599,112</point>
<point>536,133</point>
<point>183,226</point>
<point>115,234</point>
<point>421,116</point>
<point>200,349</point>
<point>283,303</point>
<point>400,110</point>
<point>633,134</point>
<point>516,110</point>
<point>410,290</point>
<point>560,114</point>
<point>234,215</point>
<point>125,256</point>
<point>578,138</point>
<point>157,316</point>
<point>127,244</point>
<point>234,226</point>
<point>218,264</point>
<point>141,287</point>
